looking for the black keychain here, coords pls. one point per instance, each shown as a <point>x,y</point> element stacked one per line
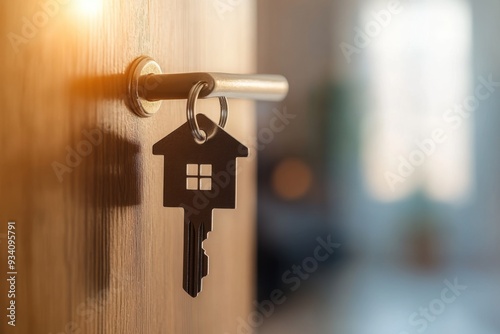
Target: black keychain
<point>199,176</point>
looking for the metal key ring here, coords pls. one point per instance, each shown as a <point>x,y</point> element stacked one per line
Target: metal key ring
<point>190,111</point>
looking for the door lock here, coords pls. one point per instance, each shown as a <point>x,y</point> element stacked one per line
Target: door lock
<point>147,86</point>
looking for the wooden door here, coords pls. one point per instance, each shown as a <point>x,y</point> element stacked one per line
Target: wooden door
<point>96,252</point>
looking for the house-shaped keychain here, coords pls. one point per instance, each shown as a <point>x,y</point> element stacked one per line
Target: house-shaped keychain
<point>199,177</point>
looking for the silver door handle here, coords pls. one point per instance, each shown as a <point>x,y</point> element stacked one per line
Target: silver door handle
<point>147,86</point>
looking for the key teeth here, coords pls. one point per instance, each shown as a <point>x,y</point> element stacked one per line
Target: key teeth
<point>205,264</point>
<point>207,228</point>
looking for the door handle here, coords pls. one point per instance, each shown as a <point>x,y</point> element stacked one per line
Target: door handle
<point>147,86</point>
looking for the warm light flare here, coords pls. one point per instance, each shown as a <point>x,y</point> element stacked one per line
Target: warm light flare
<point>88,7</point>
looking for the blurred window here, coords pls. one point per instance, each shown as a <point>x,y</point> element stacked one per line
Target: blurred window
<point>418,64</point>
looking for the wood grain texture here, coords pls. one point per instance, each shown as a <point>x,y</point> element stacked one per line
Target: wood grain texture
<point>97,252</point>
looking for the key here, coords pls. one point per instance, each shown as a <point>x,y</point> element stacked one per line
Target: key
<point>195,268</point>
<point>198,177</point>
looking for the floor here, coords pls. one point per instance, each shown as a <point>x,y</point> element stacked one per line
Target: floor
<point>368,298</point>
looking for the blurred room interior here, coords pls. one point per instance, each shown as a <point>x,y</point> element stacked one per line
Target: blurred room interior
<point>390,153</point>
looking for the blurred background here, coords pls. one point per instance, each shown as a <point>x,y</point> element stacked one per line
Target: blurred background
<point>383,156</point>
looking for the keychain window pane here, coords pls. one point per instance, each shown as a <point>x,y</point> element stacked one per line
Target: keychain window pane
<point>206,170</point>
<point>194,181</point>
<point>192,170</point>
<point>205,183</point>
